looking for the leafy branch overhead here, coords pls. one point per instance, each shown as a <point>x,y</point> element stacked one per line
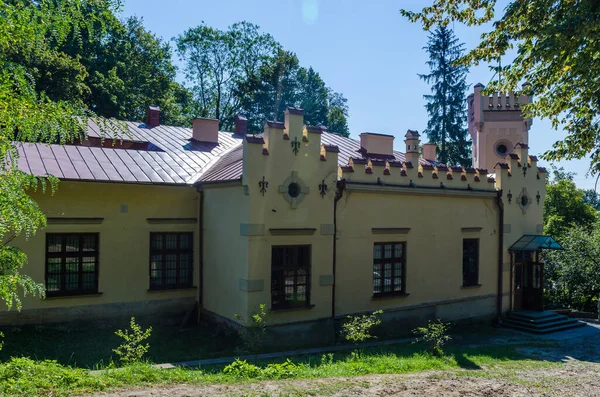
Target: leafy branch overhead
<point>557,46</point>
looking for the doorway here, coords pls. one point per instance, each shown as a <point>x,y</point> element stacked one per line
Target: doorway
<point>528,281</point>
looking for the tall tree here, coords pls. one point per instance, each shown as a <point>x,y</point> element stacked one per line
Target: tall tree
<point>566,207</point>
<point>337,116</point>
<point>557,53</point>
<point>36,105</point>
<point>447,124</point>
<point>242,70</point>
<point>130,68</point>
<point>219,62</point>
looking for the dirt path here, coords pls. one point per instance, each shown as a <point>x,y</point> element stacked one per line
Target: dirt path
<point>571,379</point>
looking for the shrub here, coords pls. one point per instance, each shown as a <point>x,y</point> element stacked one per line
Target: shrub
<point>434,335</point>
<point>242,369</point>
<point>358,328</point>
<point>284,370</point>
<point>254,331</point>
<point>133,348</point>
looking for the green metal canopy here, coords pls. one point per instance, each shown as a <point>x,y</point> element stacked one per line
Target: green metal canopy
<point>531,243</point>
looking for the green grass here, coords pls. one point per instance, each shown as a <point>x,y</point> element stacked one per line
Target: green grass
<point>87,346</point>
<point>26,377</point>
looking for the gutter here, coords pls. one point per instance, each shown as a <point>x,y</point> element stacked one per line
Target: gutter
<point>500,255</point>
<point>341,185</point>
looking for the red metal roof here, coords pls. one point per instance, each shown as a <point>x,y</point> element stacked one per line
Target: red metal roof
<point>172,158</point>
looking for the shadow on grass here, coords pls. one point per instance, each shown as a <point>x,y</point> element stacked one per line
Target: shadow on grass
<point>88,346</point>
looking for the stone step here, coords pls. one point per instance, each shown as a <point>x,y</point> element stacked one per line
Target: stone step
<point>544,329</point>
<point>531,315</point>
<point>547,324</point>
<point>539,322</point>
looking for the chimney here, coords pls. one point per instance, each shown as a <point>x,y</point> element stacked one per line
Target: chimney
<point>241,125</point>
<point>430,151</point>
<point>412,147</point>
<point>153,116</point>
<point>205,130</point>
<point>373,143</point>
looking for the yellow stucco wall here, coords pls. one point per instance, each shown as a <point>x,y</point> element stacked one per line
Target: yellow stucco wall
<point>433,247</point>
<point>123,241</point>
<point>225,250</point>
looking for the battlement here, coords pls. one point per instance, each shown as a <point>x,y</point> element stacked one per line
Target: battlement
<point>393,172</point>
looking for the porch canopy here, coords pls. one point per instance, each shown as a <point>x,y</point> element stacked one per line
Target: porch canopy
<point>531,243</point>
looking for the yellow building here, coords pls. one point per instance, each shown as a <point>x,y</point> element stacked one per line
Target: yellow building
<point>177,222</point>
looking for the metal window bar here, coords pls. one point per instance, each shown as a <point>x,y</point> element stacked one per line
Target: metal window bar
<point>389,268</point>
<point>166,268</point>
<point>76,249</point>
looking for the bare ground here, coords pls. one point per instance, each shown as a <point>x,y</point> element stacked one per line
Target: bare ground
<point>579,375</point>
<point>573,379</point>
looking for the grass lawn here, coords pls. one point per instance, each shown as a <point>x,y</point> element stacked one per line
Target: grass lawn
<point>25,377</point>
<point>90,346</point>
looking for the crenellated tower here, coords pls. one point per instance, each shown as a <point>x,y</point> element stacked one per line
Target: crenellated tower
<point>496,125</point>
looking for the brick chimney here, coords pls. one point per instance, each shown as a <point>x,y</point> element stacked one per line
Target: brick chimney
<point>241,125</point>
<point>153,116</point>
<point>374,143</point>
<point>205,130</point>
<point>430,151</point>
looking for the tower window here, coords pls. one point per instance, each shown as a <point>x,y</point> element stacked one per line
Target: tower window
<point>501,149</point>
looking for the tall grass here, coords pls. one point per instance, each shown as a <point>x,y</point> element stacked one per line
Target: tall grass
<point>26,377</point>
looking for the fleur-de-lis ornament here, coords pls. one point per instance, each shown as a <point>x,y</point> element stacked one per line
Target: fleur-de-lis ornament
<point>263,185</point>
<point>323,188</point>
<point>295,145</point>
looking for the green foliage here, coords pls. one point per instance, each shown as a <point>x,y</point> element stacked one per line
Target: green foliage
<point>435,335</point>
<point>565,206</point>
<point>445,106</point>
<point>26,377</point>
<point>133,349</point>
<point>242,70</point>
<point>572,276</point>
<point>358,328</point>
<point>253,332</point>
<point>41,90</point>
<point>556,54</point>
<point>242,369</point>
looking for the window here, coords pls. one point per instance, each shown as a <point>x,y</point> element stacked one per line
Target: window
<point>290,277</point>
<point>470,262</point>
<point>389,269</point>
<point>71,263</point>
<point>171,260</point>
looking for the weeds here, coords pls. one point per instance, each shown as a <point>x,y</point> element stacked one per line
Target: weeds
<point>133,348</point>
<point>435,335</point>
<point>254,331</point>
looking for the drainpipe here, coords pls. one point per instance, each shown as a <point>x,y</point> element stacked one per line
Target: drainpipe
<point>200,251</point>
<point>338,196</point>
<point>500,254</point>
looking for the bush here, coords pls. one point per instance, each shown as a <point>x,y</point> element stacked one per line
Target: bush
<point>241,369</point>
<point>358,328</point>
<point>254,331</point>
<point>284,370</point>
<point>434,335</point>
<point>133,348</point>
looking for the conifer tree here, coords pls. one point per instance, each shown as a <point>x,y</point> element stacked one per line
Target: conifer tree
<point>446,104</point>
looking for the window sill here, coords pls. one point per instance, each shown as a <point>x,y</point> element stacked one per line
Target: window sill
<point>470,286</point>
<point>391,296</point>
<point>67,296</point>
<point>193,287</point>
<point>293,309</point>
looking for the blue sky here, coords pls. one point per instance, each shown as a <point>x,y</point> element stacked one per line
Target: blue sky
<point>363,49</point>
